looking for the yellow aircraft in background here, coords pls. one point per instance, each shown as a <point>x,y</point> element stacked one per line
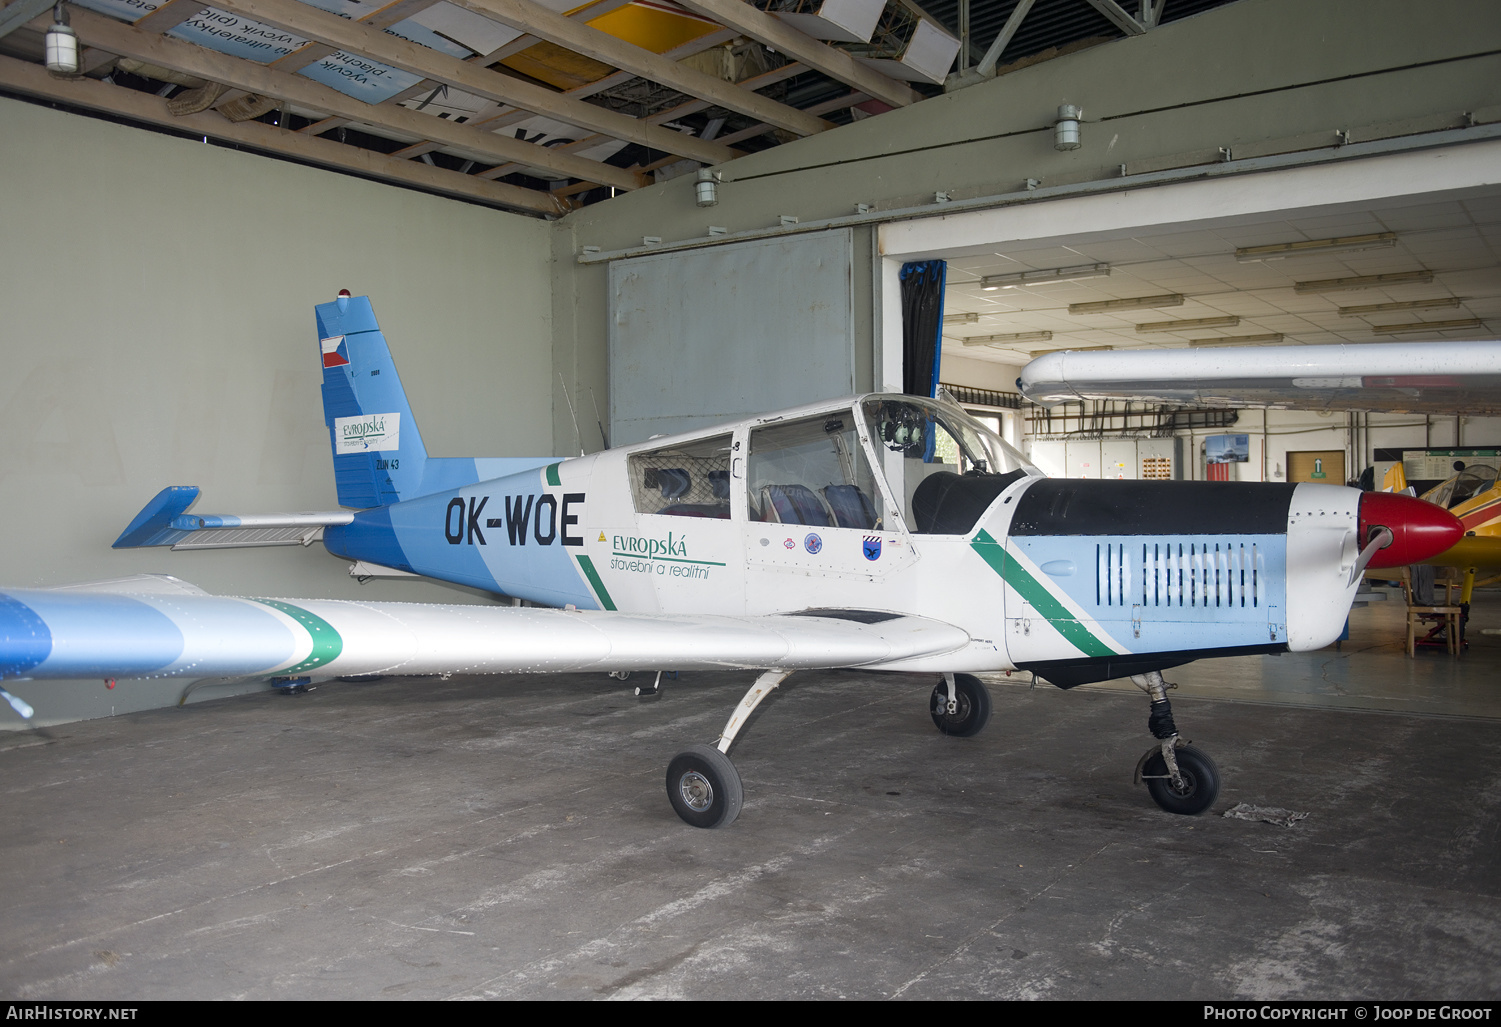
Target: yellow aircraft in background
<point>1473,494</point>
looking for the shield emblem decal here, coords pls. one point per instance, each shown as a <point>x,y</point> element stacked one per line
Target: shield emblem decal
<point>872,547</point>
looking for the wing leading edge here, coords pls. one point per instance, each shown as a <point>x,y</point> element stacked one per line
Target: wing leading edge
<point>1428,377</point>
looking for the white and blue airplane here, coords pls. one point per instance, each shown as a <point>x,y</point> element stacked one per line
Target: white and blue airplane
<point>883,532</point>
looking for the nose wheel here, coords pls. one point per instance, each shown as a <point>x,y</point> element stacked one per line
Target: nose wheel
<point>1196,788</point>
<point>1179,778</point>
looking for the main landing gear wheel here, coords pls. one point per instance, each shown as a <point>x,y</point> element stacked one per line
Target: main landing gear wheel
<point>1201,781</point>
<point>705,787</point>
<point>969,711</point>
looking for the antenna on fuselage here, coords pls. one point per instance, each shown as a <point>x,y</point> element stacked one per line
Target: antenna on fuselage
<point>576,433</point>
<point>598,419</point>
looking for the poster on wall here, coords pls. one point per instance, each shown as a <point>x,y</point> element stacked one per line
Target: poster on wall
<point>1227,449</point>
<point>1438,464</point>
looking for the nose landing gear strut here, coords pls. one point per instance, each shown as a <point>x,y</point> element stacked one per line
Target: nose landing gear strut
<point>1180,778</point>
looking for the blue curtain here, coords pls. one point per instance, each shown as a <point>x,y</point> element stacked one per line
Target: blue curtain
<point>922,325</point>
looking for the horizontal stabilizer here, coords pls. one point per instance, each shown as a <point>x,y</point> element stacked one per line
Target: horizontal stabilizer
<point>155,519</point>
<point>164,522</point>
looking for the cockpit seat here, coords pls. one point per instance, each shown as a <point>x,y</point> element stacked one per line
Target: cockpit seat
<point>719,482</point>
<point>673,481</point>
<point>794,504</point>
<point>852,508</point>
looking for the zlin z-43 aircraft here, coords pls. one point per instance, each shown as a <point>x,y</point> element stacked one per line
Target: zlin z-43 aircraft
<point>884,532</point>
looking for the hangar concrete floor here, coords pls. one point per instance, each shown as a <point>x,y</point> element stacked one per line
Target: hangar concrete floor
<point>510,838</point>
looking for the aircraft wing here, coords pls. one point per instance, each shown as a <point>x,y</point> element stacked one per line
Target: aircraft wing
<point>157,626</point>
<point>1426,377</point>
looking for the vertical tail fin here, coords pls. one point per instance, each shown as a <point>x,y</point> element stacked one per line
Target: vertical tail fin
<point>379,457</point>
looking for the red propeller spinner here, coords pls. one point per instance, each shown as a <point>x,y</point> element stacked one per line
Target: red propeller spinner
<point>1420,529</point>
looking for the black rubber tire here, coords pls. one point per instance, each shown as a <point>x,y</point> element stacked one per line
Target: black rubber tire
<point>1201,779</point>
<point>704,787</point>
<point>973,702</point>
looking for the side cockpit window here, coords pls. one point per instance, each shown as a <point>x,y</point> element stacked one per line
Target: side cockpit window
<point>812,472</point>
<point>687,480</point>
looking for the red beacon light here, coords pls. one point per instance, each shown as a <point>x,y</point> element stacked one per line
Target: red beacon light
<point>1420,530</point>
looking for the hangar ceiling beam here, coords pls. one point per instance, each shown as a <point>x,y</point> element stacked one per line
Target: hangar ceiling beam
<point>555,28</point>
<point>1119,18</point>
<point>20,12</point>
<point>419,60</point>
<point>839,103</point>
<point>510,115</point>
<point>94,95</point>
<point>381,19</point>
<point>681,110</point>
<point>992,56</point>
<point>587,13</point>
<point>495,120</point>
<point>785,39</point>
<point>168,16</point>
<point>111,35</point>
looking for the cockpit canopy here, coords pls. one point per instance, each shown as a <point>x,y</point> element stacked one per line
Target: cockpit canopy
<point>941,468</point>
<point>1464,486</point>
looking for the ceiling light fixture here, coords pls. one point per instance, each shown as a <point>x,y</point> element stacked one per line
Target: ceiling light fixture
<point>62,44</point>
<point>993,340</point>
<point>1238,340</point>
<point>1364,282</point>
<point>961,319</point>
<point>706,187</point>
<point>1195,322</point>
<point>1066,127</point>
<point>1171,299</point>
<point>1376,308</point>
<point>1274,251</point>
<point>1428,326</point>
<point>1014,279</point>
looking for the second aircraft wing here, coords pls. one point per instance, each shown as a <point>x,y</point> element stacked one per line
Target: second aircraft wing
<point>1432,377</point>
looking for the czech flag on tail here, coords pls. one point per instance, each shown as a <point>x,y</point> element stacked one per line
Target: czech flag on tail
<point>335,351</point>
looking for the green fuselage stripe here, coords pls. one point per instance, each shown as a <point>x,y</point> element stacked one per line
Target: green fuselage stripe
<point>1036,593</point>
<point>326,641</point>
<point>599,586</point>
<point>552,475</point>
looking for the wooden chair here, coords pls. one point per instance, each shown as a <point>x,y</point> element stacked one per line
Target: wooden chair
<point>1445,616</point>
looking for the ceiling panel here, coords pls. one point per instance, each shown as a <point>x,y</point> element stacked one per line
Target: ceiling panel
<point>1460,240</point>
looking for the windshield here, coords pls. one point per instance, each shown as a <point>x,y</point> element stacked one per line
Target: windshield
<point>1464,486</point>
<point>942,465</point>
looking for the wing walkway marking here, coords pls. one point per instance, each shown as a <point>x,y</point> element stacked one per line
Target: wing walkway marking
<point>327,644</point>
